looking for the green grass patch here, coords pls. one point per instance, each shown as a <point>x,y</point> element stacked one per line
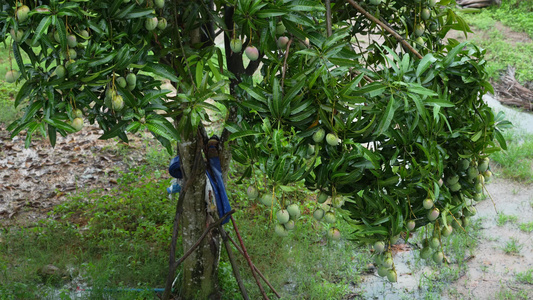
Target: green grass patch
<point>517,14</point>
<point>501,52</point>
<point>503,219</point>
<point>527,227</point>
<point>512,247</point>
<point>113,240</point>
<point>525,277</point>
<point>516,161</point>
<point>303,265</point>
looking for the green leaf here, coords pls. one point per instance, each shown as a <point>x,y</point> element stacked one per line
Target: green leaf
<point>57,123</point>
<point>18,59</point>
<point>476,136</point>
<point>101,61</point>
<point>31,110</point>
<point>139,13</point>
<point>500,139</point>
<point>255,93</point>
<point>453,53</point>
<point>418,89</point>
<point>161,130</point>
<point>387,117</point>
<point>161,70</point>
<point>52,135</point>
<point>277,101</point>
<point>61,31</point>
<point>133,127</point>
<point>241,134</point>
<point>305,5</point>
<point>115,131</point>
<point>269,13</point>
<point>374,88</point>
<point>170,130</point>
<point>24,92</point>
<point>439,102</point>
<point>424,64</point>
<point>41,29</point>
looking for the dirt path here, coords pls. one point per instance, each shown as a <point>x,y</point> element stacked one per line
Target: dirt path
<point>493,269</point>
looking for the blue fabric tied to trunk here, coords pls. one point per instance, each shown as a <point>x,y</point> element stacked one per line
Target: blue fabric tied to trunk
<point>214,174</point>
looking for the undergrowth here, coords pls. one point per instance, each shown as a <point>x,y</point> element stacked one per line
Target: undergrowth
<point>501,51</point>
<point>102,240</point>
<point>517,161</point>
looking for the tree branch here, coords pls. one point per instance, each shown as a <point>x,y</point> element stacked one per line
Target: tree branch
<point>328,17</point>
<point>385,27</point>
<point>245,253</point>
<point>256,269</point>
<point>208,229</point>
<point>285,62</point>
<point>234,265</point>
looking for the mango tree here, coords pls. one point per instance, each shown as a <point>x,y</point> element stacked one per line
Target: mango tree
<point>367,102</point>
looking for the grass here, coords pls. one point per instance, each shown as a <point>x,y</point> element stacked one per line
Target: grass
<point>457,248</point>
<point>8,113</point>
<point>525,277</point>
<point>115,240</point>
<point>517,15</point>
<point>503,219</point>
<point>516,161</point>
<point>303,265</point>
<point>527,227</point>
<point>512,247</point>
<point>119,239</point>
<point>508,294</point>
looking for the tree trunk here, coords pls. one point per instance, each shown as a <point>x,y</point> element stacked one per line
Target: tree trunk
<point>200,270</point>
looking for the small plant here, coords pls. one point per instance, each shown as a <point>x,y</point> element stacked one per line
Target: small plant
<point>516,161</point>
<point>527,227</point>
<point>503,219</point>
<point>512,247</point>
<point>525,277</point>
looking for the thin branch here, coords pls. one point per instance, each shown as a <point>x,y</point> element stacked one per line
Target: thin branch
<point>285,62</point>
<point>248,258</point>
<point>328,17</point>
<point>255,268</point>
<point>207,230</point>
<point>234,265</point>
<point>385,27</point>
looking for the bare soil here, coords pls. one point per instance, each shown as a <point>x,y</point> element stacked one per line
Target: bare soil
<point>34,180</point>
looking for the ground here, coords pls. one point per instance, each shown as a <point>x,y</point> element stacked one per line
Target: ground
<point>33,180</point>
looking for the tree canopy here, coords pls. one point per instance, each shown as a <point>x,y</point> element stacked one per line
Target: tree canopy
<point>367,102</point>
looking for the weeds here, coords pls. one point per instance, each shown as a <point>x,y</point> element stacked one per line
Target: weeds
<point>527,227</point>
<point>111,240</point>
<point>512,247</point>
<point>503,219</point>
<point>525,277</point>
<point>501,52</point>
<point>516,161</point>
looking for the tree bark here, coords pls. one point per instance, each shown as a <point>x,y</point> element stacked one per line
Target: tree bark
<point>200,269</point>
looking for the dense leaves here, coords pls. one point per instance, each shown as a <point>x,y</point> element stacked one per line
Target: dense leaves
<point>396,125</point>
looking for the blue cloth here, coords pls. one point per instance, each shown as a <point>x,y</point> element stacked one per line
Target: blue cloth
<point>214,174</point>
